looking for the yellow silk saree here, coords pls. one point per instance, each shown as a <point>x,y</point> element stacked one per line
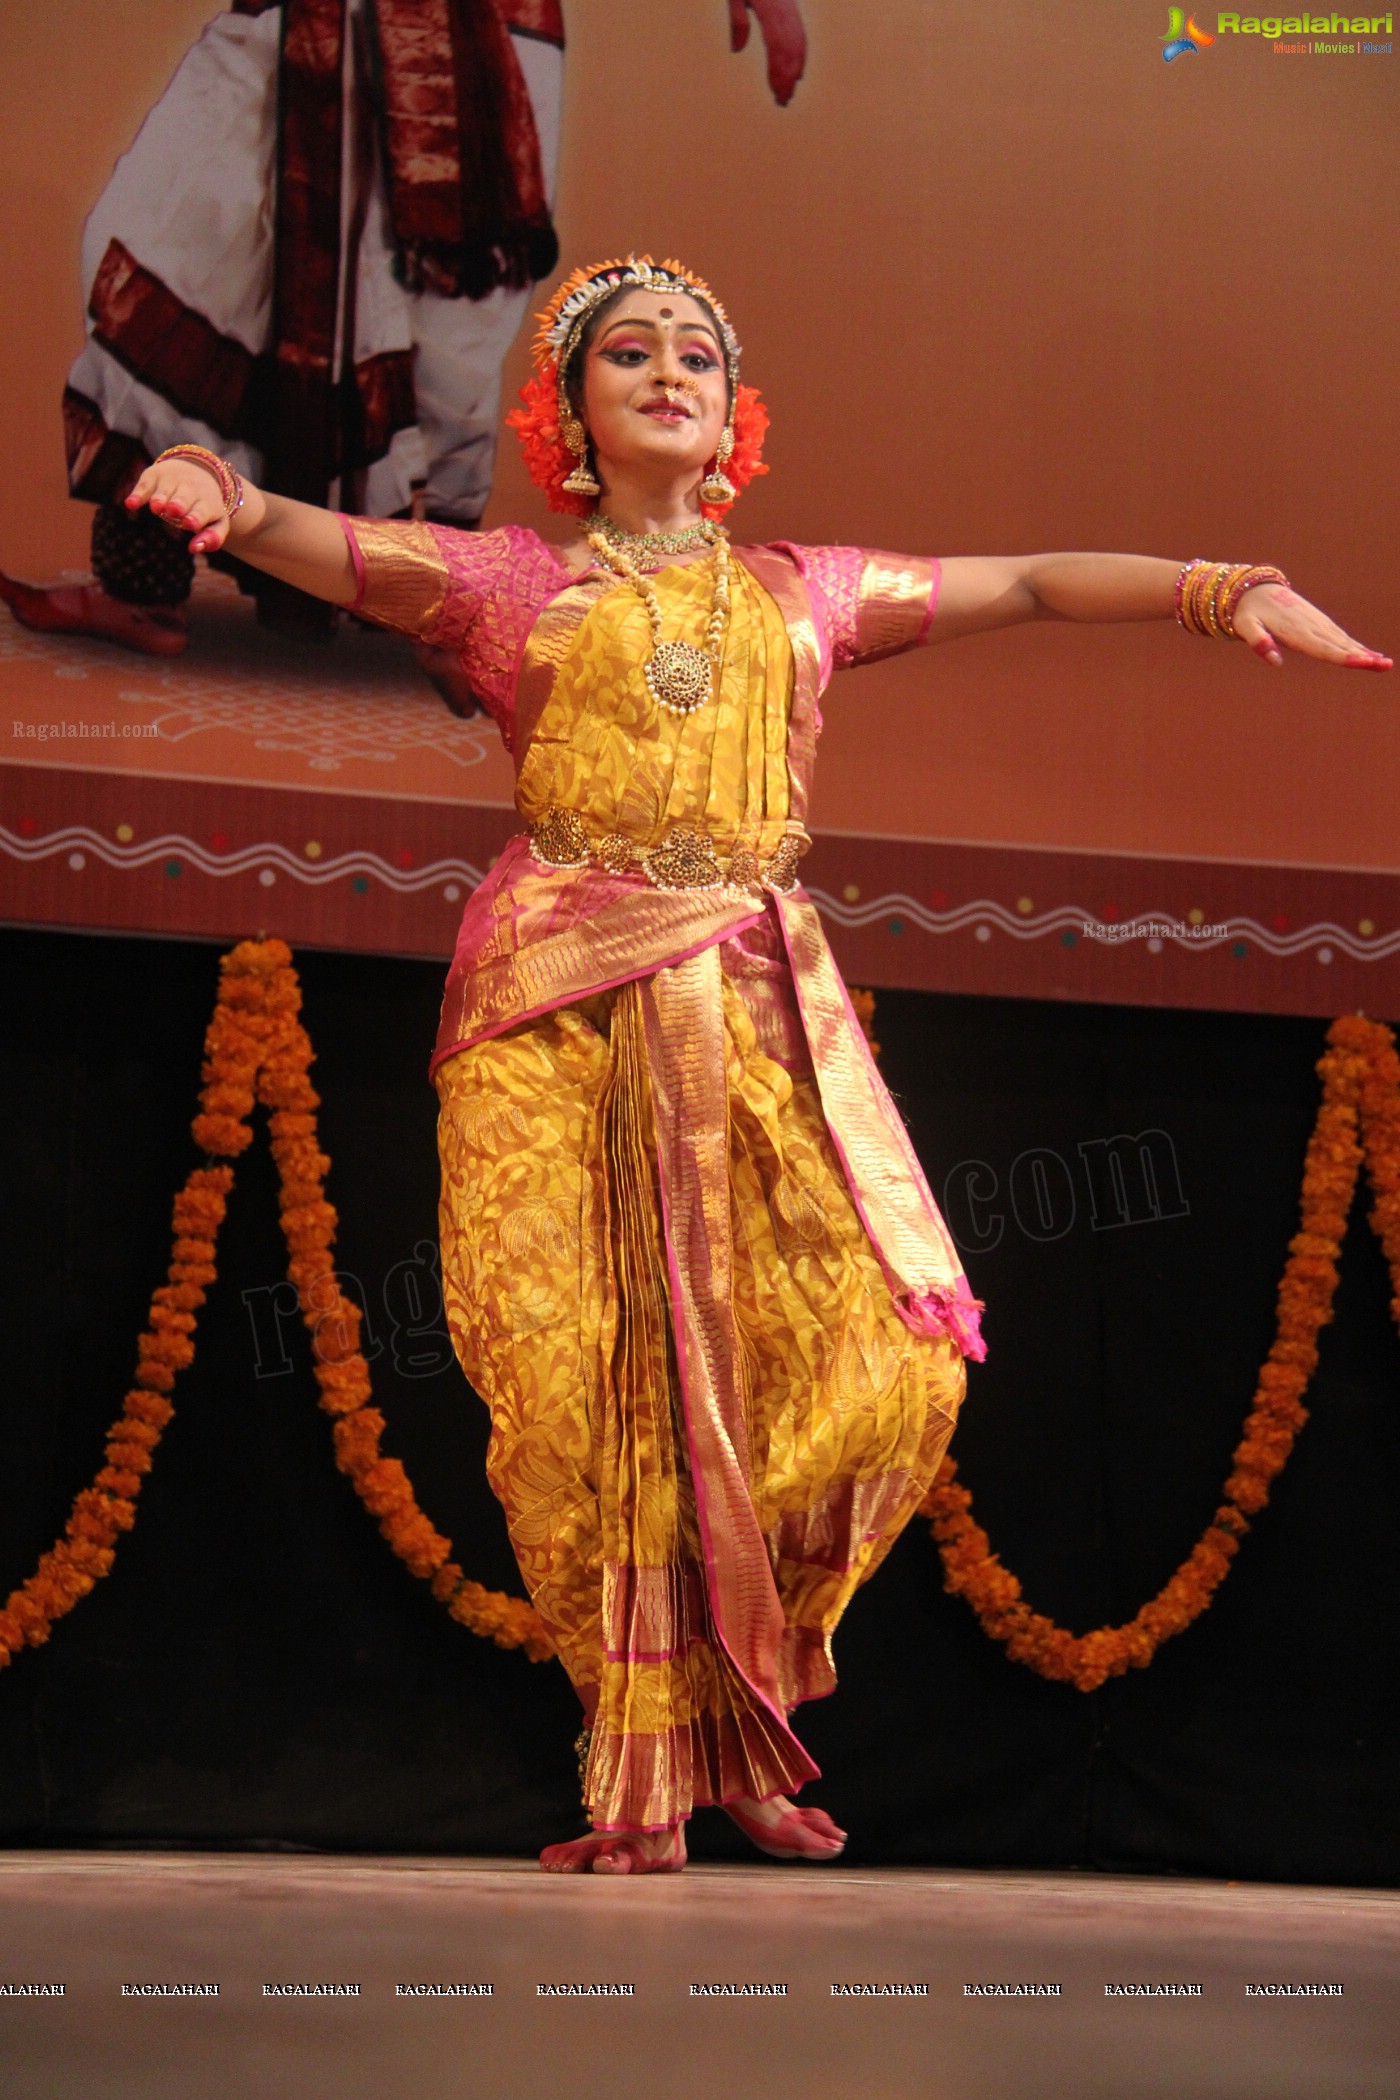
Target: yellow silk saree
<point>689,1261</point>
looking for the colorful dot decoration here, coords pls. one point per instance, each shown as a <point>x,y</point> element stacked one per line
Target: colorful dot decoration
<point>1280,922</point>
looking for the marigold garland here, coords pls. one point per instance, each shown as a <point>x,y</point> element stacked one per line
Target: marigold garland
<point>256,1048</point>
<point>1359,1113</point>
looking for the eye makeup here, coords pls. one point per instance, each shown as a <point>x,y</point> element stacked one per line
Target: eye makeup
<point>691,337</point>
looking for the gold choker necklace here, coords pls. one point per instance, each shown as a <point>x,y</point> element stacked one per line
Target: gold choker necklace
<point>640,545</point>
<point>679,676</point>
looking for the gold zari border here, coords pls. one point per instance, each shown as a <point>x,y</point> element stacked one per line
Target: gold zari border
<point>892,604</point>
<point>406,577</point>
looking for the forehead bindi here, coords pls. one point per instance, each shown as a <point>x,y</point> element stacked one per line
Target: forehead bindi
<point>651,314</point>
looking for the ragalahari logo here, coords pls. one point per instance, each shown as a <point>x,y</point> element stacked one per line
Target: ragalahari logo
<point>1183,35</point>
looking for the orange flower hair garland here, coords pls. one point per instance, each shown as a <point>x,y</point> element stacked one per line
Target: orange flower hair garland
<point>548,459</point>
<point>549,462</point>
<point>255,1048</point>
<point>1359,1111</point>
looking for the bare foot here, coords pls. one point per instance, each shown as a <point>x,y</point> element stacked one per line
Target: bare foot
<point>619,1852</point>
<point>445,670</point>
<point>85,608</point>
<point>784,1831</point>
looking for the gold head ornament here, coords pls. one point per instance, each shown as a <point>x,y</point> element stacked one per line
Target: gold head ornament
<point>563,321</point>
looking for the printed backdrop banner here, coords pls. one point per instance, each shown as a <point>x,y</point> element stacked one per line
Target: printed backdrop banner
<point>1012,278</point>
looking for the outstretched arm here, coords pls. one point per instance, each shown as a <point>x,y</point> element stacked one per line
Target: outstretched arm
<point>294,541</point>
<point>983,591</point>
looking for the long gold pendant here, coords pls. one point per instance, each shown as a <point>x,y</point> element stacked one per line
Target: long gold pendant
<point>679,676</point>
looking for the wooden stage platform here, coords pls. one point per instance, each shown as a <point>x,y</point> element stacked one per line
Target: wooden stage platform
<point>333,1979</point>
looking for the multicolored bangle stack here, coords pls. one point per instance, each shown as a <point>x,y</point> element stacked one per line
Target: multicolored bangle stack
<point>1208,593</point>
<point>229,480</point>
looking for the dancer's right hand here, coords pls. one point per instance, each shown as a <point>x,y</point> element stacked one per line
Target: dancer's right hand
<point>299,543</point>
<point>183,494</point>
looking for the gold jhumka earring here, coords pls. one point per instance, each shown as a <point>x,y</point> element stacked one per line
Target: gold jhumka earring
<point>717,486</point>
<point>582,481</point>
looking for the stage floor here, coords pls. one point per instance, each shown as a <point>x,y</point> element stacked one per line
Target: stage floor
<point>96,1922</point>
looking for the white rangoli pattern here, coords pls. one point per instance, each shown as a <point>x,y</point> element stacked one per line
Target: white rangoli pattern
<point>358,698</point>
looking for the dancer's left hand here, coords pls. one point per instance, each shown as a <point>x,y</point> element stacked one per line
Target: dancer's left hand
<point>784,36</point>
<point>1272,618</point>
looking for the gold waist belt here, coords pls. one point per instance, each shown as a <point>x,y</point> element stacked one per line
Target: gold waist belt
<point>685,860</point>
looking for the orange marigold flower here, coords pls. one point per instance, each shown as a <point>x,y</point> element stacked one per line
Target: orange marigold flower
<point>549,462</point>
<point>141,1406</point>
<point>1360,1065</point>
<point>221,1134</point>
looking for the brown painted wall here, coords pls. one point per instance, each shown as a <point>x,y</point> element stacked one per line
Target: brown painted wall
<point>1008,282</point>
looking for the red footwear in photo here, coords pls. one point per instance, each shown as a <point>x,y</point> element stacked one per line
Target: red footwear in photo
<point>85,608</point>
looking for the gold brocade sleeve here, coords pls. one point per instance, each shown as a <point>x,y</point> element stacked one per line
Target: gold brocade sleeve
<point>894,603</point>
<point>403,577</point>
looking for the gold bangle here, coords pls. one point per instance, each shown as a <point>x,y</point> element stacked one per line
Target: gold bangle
<point>1246,579</point>
<point>1208,593</point>
<point>1197,585</point>
<point>229,480</point>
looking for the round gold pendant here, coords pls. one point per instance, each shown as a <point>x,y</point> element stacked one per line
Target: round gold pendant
<point>679,677</point>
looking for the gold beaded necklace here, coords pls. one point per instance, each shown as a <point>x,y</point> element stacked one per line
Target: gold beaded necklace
<point>680,677</point>
<point>644,546</point>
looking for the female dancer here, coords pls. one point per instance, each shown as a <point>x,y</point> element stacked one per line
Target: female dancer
<point>690,1261</point>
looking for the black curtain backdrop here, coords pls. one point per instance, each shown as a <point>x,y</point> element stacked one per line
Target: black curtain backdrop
<point>258,1669</point>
